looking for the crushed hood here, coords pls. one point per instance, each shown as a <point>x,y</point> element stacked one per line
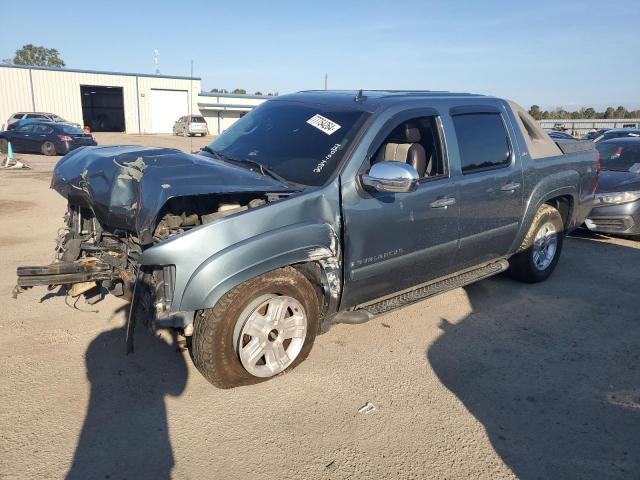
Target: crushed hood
<point>126,186</point>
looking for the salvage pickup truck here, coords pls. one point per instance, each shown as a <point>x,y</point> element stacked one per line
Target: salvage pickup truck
<point>316,208</point>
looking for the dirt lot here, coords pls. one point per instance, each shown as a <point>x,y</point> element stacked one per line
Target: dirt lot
<point>496,380</point>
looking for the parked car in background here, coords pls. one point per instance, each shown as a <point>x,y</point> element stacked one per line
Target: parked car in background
<point>316,208</point>
<point>617,203</point>
<point>48,138</point>
<point>47,117</point>
<point>190,125</point>
<point>557,135</point>
<point>594,134</point>
<point>617,133</point>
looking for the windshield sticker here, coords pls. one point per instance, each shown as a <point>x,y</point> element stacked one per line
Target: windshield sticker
<point>326,159</point>
<point>323,124</point>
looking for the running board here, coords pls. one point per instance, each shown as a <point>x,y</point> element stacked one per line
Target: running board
<point>366,312</point>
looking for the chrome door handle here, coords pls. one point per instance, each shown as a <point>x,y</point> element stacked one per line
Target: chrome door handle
<point>443,202</point>
<point>510,187</point>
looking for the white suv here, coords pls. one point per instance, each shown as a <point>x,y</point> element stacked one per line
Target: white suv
<point>49,117</point>
<point>191,125</point>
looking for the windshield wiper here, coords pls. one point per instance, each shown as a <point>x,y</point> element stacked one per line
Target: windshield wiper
<point>251,163</point>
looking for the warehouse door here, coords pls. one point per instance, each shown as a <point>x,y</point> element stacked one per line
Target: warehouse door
<point>167,106</point>
<point>102,108</point>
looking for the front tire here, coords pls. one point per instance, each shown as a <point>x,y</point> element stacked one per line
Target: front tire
<point>257,330</point>
<point>540,250</point>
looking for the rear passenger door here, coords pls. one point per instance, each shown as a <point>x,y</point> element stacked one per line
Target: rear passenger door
<point>490,184</point>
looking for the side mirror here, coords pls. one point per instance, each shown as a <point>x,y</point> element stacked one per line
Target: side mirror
<point>391,176</point>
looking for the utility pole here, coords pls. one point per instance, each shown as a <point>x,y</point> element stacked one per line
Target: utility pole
<point>190,107</point>
<point>325,80</point>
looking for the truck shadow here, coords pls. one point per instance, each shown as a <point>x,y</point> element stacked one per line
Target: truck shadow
<point>125,431</point>
<point>552,370</point>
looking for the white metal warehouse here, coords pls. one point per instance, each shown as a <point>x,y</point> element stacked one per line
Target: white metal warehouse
<point>115,101</point>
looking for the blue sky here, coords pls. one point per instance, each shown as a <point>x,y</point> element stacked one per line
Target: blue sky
<point>554,53</point>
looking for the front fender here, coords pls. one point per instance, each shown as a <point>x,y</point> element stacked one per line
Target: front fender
<point>258,255</point>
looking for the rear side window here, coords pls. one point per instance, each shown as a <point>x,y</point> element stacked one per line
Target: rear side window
<point>70,129</point>
<point>42,129</point>
<point>17,116</point>
<point>482,140</point>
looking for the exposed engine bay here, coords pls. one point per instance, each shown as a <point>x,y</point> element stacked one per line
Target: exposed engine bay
<point>91,258</point>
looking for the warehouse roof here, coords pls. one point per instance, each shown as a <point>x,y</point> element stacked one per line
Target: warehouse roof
<point>100,72</point>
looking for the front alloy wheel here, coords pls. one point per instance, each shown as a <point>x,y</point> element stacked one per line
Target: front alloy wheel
<point>272,334</point>
<point>259,329</point>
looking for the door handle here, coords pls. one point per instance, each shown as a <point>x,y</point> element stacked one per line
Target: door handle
<point>510,187</point>
<point>443,202</point>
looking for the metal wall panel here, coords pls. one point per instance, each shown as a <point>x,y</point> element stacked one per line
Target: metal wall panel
<point>15,93</point>
<point>58,91</point>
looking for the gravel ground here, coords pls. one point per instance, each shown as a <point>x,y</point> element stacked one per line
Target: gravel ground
<point>496,380</point>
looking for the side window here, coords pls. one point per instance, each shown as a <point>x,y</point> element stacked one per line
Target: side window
<point>417,142</point>
<point>17,116</point>
<point>482,140</point>
<point>42,129</point>
<point>25,129</point>
<point>35,115</point>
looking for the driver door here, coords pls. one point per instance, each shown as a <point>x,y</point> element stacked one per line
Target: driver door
<point>395,241</point>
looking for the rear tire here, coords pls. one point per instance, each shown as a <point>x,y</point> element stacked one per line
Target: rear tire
<point>219,343</point>
<point>48,149</point>
<point>540,250</point>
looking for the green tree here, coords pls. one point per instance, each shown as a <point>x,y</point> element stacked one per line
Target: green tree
<point>609,112</point>
<point>219,90</point>
<point>239,91</point>
<point>37,56</point>
<point>258,93</point>
<point>589,113</point>
<point>620,112</point>
<point>534,111</point>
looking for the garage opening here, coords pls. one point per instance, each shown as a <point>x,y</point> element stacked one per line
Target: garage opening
<point>167,106</point>
<point>103,108</point>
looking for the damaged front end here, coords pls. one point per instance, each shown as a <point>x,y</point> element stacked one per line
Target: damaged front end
<point>123,201</point>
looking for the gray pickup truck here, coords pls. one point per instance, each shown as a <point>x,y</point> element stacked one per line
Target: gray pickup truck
<point>316,208</point>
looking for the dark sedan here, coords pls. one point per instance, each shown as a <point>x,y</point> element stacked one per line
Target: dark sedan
<point>617,206</point>
<point>48,138</point>
<point>617,133</point>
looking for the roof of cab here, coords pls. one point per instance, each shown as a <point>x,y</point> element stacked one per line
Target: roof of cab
<point>370,100</point>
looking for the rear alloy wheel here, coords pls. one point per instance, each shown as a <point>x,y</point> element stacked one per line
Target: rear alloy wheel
<point>48,148</point>
<point>257,330</point>
<point>540,250</point>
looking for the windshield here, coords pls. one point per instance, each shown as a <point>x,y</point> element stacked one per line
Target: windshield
<point>619,157</point>
<point>302,143</point>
